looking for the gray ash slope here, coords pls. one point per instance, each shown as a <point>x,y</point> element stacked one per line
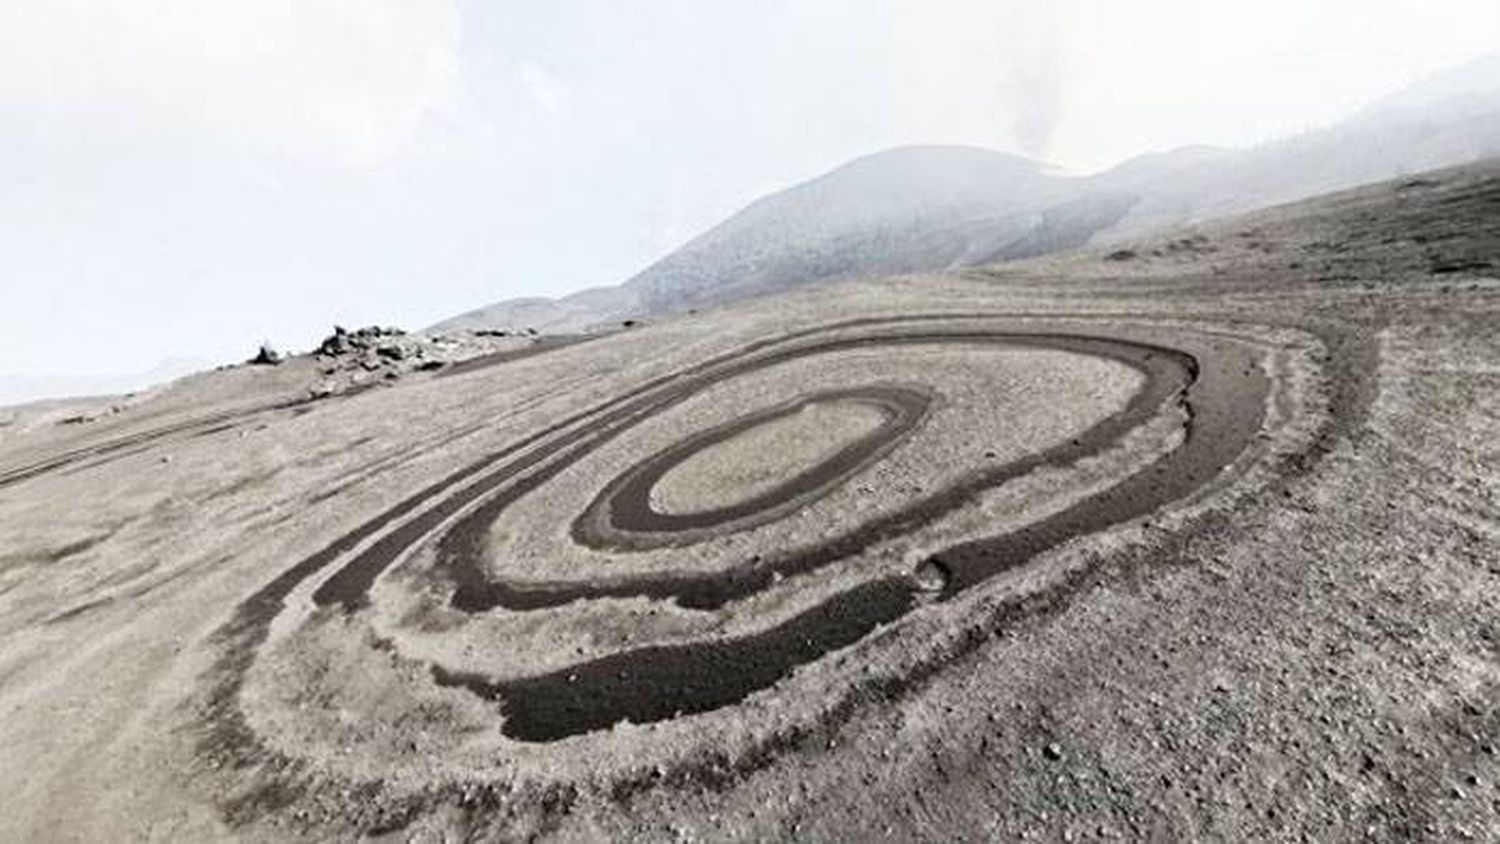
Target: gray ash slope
<point>930,208</point>
<point>252,632</point>
<point>909,209</point>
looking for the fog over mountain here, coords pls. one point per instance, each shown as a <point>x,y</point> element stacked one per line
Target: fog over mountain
<point>922,208</point>
<point>1450,118</point>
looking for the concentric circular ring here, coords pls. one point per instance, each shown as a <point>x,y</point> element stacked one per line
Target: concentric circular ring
<point>725,629</point>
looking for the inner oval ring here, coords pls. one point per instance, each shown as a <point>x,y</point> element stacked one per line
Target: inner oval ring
<point>621,516</point>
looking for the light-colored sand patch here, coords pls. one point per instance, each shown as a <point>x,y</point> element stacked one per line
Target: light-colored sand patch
<point>756,461</point>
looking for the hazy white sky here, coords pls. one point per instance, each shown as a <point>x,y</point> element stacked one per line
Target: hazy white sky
<point>180,177</point>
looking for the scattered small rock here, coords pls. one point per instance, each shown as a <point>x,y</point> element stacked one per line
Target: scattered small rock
<point>932,576</point>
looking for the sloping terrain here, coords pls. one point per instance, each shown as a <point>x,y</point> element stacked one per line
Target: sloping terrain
<point>1194,537</point>
<point>938,208</point>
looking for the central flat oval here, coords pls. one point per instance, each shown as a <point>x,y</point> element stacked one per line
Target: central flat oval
<point>752,470</point>
<point>758,460</point>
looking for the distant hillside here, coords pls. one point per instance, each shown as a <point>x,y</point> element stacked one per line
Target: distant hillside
<point>18,389</point>
<point>902,210</point>
<point>573,313</point>
<point>914,208</point>
<point>938,207</point>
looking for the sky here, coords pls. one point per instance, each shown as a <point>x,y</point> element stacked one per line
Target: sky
<point>181,179</point>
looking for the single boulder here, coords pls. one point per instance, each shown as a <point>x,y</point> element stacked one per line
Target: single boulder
<point>267,356</point>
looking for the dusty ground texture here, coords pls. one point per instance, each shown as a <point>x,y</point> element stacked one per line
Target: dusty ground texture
<point>1198,538</point>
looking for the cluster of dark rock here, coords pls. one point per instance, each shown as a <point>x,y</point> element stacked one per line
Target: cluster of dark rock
<point>371,349</point>
<point>374,337</point>
<point>360,358</point>
<point>366,347</point>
